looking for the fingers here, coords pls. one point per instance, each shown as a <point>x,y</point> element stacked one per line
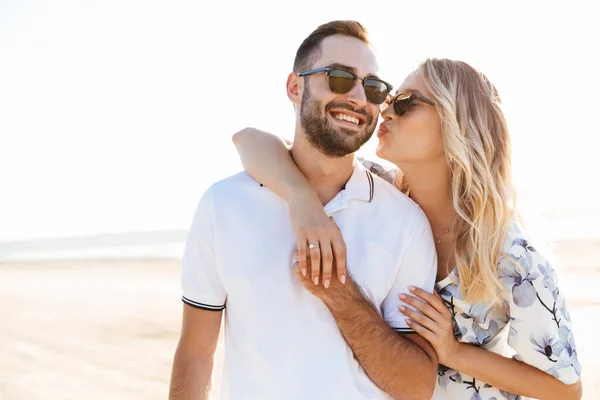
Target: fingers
<point>303,279</point>
<point>424,307</point>
<point>435,301</point>
<point>301,255</point>
<point>421,330</point>
<point>423,320</point>
<point>324,250</point>
<point>315,260</point>
<point>338,247</point>
<point>327,262</point>
<point>296,268</point>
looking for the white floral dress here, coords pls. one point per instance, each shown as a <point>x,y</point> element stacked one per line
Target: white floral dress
<point>534,327</point>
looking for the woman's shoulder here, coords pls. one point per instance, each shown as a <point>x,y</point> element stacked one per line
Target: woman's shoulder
<point>515,237</point>
<point>386,173</point>
<point>517,241</point>
<point>524,259</point>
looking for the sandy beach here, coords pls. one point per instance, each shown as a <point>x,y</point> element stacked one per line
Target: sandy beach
<point>107,329</point>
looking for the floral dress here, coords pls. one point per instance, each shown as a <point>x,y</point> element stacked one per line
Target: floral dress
<point>534,326</point>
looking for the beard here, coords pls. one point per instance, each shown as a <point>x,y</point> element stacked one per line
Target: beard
<point>331,140</point>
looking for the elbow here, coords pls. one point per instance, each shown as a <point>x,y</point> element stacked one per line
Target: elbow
<point>421,388</point>
<point>425,379</point>
<point>425,383</point>
<point>242,135</point>
<point>417,392</point>
<point>425,390</point>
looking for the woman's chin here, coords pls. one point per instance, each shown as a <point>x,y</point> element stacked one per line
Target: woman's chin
<point>381,151</point>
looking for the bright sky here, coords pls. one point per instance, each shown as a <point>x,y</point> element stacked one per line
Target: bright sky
<point>116,115</point>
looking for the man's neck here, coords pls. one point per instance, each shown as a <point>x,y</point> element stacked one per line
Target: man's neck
<point>327,175</point>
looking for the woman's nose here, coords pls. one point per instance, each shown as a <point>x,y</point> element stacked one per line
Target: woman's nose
<point>386,111</point>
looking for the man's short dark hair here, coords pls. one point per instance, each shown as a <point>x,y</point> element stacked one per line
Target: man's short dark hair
<point>310,49</point>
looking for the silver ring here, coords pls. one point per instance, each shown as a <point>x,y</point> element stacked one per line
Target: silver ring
<point>313,246</point>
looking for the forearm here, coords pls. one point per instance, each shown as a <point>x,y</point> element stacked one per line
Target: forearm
<point>511,375</point>
<point>394,363</point>
<point>267,159</point>
<point>191,377</point>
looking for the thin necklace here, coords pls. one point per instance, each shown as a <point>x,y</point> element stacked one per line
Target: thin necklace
<point>438,239</point>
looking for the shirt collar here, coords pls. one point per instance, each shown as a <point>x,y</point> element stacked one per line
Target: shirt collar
<point>360,186</point>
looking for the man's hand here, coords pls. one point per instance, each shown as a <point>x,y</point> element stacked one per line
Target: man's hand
<point>404,366</point>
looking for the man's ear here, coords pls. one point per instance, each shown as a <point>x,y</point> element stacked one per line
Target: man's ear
<point>294,88</point>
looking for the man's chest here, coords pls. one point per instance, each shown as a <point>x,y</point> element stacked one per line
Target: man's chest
<point>256,264</point>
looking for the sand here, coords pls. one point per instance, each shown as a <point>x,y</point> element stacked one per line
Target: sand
<point>107,329</point>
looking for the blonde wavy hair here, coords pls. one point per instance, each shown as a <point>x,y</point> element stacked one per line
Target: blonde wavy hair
<point>478,152</point>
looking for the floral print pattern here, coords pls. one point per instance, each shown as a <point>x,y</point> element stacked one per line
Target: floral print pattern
<point>533,327</point>
<point>387,174</point>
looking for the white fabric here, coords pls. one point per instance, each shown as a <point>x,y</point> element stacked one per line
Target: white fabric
<point>280,341</point>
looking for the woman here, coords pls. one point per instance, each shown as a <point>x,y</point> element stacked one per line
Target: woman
<point>498,322</point>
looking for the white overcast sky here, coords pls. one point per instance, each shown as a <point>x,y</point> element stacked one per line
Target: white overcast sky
<point>116,115</point>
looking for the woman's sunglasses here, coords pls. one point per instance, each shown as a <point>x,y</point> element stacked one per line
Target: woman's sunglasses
<point>342,81</point>
<point>402,102</point>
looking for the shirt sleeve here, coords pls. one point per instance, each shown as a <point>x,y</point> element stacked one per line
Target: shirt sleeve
<point>540,324</point>
<point>200,281</point>
<point>418,267</point>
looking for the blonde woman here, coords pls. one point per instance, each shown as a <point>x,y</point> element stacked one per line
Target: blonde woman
<point>498,322</point>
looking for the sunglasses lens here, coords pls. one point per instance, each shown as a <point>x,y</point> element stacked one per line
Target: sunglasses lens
<point>402,103</point>
<point>341,81</point>
<point>376,91</point>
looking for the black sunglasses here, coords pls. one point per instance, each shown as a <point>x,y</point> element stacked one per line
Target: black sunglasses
<point>342,81</point>
<point>402,102</point>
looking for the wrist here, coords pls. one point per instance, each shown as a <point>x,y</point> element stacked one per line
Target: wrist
<point>300,195</point>
<point>342,296</point>
<point>457,358</point>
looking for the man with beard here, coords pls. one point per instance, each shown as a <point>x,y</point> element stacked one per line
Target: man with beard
<point>281,342</point>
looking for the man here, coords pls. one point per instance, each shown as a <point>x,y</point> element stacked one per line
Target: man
<point>281,342</point>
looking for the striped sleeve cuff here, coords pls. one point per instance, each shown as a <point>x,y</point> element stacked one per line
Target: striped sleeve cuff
<point>202,306</point>
<point>403,330</point>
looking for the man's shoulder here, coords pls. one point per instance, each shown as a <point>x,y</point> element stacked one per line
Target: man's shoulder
<point>235,184</point>
<point>398,205</point>
<point>385,192</point>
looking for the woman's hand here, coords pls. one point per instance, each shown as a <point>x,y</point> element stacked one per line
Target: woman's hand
<point>267,159</point>
<point>434,322</point>
<point>312,226</point>
<point>337,292</point>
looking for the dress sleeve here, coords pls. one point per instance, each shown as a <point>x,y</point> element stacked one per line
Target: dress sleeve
<point>200,280</point>
<point>540,324</point>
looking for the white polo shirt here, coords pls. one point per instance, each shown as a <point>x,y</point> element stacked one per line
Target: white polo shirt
<point>281,342</point>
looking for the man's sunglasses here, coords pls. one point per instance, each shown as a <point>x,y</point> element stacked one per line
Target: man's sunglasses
<point>342,81</point>
<point>402,102</point>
